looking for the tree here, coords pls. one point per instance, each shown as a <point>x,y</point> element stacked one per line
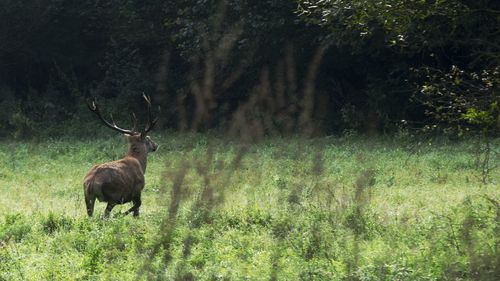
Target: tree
<point>449,49</point>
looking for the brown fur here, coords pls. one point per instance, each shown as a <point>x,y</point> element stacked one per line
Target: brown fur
<point>120,181</point>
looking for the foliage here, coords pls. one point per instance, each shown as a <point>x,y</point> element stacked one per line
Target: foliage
<point>465,99</point>
<point>456,61</point>
<point>378,56</point>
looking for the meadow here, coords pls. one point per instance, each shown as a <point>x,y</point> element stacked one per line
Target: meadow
<point>330,208</point>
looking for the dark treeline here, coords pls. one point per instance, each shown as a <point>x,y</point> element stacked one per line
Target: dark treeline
<point>353,65</point>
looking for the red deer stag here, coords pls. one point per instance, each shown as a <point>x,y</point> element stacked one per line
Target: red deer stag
<point>120,181</point>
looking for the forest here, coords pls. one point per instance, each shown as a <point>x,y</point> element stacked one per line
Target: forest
<point>287,139</point>
<point>368,66</point>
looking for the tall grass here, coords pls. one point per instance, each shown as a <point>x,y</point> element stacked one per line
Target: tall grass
<point>289,209</point>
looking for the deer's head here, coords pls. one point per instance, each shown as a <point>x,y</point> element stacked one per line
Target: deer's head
<point>139,144</point>
<point>138,141</point>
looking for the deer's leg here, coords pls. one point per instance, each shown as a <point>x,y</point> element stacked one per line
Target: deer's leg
<point>89,202</point>
<point>137,204</point>
<point>109,207</point>
<point>135,208</point>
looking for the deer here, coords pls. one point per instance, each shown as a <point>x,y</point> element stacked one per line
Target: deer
<point>121,181</point>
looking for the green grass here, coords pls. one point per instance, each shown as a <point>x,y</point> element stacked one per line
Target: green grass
<point>323,209</point>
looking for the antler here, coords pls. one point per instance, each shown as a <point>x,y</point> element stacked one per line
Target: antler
<point>151,122</point>
<point>95,108</point>
<point>149,125</point>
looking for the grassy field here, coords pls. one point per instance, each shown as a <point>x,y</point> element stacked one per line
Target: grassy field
<point>284,209</point>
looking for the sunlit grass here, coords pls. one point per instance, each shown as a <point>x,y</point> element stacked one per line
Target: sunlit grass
<point>289,211</point>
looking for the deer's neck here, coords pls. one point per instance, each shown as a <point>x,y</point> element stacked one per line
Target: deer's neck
<point>140,153</point>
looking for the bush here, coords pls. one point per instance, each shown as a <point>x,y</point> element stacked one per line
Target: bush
<point>16,227</point>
